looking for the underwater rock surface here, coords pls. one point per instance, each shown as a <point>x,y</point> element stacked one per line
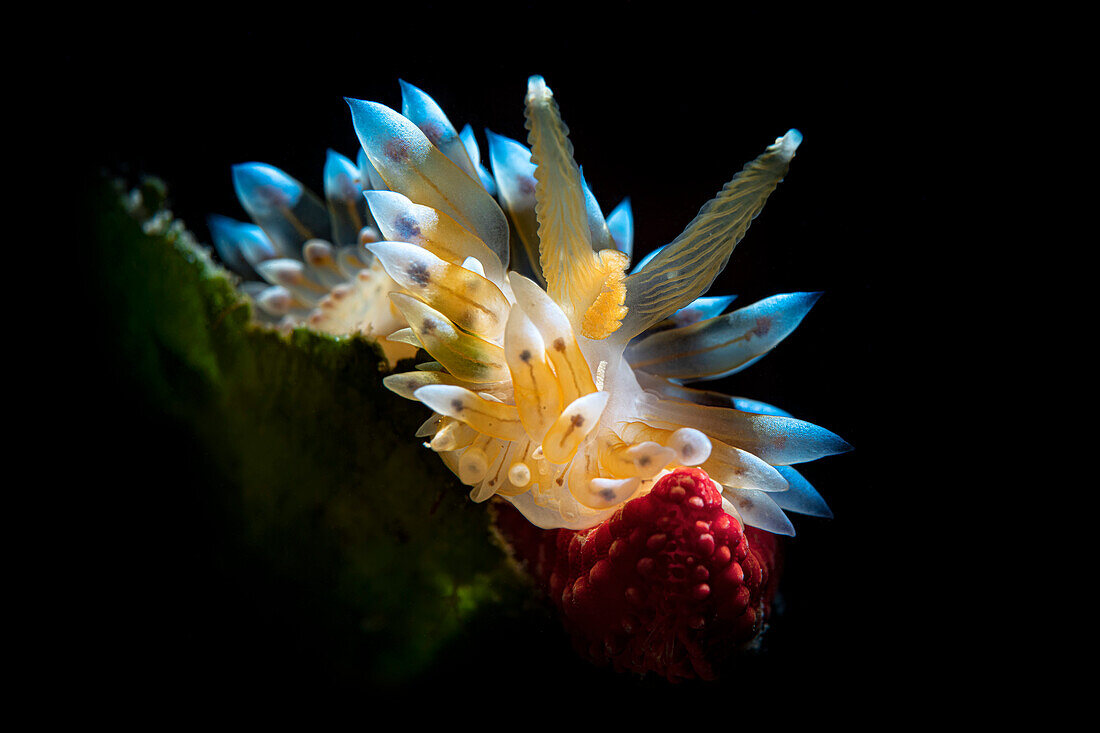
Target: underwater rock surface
<point>275,507</point>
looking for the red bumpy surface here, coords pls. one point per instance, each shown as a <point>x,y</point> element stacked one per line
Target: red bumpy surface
<point>669,584</point>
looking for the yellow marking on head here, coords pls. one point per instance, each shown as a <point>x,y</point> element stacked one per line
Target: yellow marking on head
<point>607,311</point>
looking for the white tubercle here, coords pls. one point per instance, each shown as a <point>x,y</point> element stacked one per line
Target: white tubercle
<point>692,446</point>
<point>519,474</point>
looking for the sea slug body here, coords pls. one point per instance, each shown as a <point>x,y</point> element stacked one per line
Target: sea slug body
<point>557,371</point>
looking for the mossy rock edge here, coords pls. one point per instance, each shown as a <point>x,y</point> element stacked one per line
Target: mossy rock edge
<point>274,487</point>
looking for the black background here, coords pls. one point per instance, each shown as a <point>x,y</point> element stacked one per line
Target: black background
<point>663,108</point>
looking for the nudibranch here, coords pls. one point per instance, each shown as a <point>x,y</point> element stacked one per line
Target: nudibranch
<point>558,371</point>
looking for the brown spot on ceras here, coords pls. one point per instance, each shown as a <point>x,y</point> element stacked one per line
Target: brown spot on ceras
<point>397,150</point>
<point>525,356</point>
<point>406,227</point>
<point>436,133</point>
<point>559,344</point>
<point>763,325</point>
<point>428,326</point>
<point>577,420</point>
<point>272,196</point>
<point>458,405</point>
<point>419,274</point>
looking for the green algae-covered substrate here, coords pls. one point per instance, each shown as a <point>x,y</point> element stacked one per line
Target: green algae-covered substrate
<point>274,522</point>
